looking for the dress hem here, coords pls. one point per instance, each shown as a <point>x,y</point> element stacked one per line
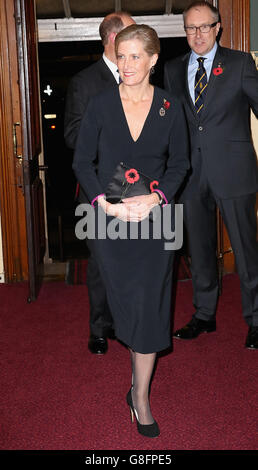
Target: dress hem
<point>156,350</point>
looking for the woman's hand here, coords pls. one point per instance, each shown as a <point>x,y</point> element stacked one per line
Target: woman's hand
<point>139,207</point>
<point>133,209</point>
<point>115,210</point>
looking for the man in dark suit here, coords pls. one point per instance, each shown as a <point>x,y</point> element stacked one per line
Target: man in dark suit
<point>218,86</point>
<point>82,87</point>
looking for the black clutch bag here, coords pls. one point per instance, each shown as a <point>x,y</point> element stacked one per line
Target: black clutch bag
<point>128,182</point>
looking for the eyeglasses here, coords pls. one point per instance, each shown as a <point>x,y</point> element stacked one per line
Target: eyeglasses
<point>204,28</point>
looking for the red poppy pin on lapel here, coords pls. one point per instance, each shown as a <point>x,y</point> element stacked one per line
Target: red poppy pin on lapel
<point>218,70</point>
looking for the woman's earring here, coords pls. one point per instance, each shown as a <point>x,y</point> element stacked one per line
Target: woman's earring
<point>152,70</point>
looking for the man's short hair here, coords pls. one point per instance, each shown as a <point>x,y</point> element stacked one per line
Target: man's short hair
<point>112,23</point>
<point>196,4</point>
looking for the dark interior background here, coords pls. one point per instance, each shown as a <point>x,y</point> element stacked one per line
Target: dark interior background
<point>58,62</point>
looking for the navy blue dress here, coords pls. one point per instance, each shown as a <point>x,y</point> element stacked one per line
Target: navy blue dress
<point>137,272</point>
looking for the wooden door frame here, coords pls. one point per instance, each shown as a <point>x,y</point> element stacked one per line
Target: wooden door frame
<point>236,34</point>
<point>12,203</point>
<point>235,17</point>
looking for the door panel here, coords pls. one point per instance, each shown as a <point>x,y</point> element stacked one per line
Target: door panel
<point>29,98</point>
<point>12,202</point>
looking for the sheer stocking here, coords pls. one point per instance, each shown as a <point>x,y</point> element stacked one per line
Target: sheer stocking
<point>142,368</point>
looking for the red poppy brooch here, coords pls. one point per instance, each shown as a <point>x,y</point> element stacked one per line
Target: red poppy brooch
<point>218,70</point>
<point>132,176</point>
<point>166,105</point>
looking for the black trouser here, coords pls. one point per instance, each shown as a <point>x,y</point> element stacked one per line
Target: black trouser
<point>100,316</point>
<point>239,216</point>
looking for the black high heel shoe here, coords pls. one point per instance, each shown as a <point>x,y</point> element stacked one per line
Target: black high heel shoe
<point>148,430</point>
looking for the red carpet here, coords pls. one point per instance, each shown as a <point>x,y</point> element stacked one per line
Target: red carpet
<point>56,395</point>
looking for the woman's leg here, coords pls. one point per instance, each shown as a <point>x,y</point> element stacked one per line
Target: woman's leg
<point>142,369</point>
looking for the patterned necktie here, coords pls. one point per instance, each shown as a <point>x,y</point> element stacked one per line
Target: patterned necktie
<point>200,86</point>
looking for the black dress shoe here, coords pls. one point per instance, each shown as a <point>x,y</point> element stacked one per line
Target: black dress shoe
<point>97,345</point>
<point>252,338</point>
<point>194,328</point>
<point>148,430</point>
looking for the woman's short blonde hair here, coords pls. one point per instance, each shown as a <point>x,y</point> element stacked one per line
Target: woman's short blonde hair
<point>143,33</point>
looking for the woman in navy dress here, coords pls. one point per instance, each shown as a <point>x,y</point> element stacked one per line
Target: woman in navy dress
<point>145,128</point>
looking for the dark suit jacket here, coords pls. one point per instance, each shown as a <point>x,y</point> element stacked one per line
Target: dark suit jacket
<point>84,85</point>
<point>220,137</point>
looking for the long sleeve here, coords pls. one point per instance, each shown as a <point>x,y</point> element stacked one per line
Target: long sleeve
<point>160,152</point>
<point>76,101</point>
<point>86,153</point>
<point>178,161</point>
<point>83,86</point>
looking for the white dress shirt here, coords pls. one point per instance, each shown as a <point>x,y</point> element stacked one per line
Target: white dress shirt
<point>112,67</point>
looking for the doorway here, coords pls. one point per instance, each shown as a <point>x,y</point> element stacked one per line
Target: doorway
<point>18,251</point>
<point>58,62</point>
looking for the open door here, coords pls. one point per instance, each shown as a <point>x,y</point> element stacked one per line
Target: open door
<point>31,145</point>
